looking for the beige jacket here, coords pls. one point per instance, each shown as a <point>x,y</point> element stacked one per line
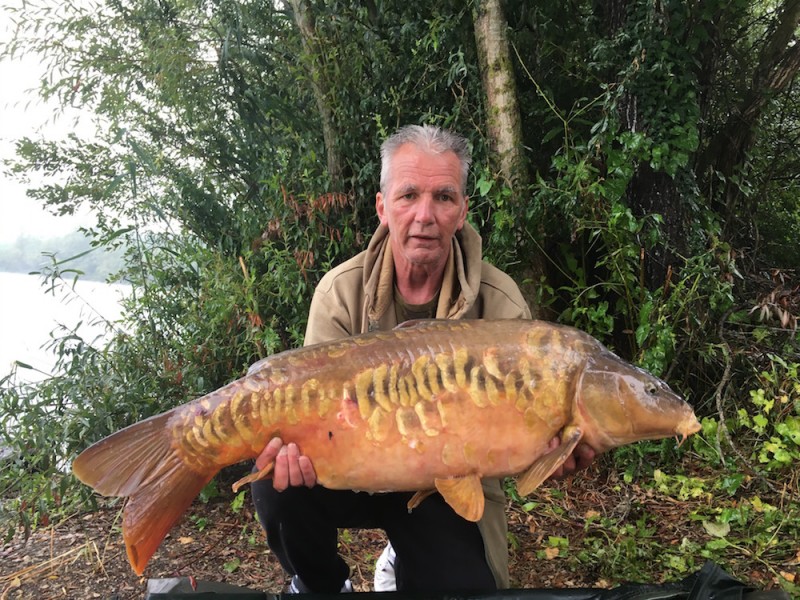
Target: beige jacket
<point>358,296</point>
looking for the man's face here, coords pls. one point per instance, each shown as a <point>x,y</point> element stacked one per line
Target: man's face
<point>423,206</point>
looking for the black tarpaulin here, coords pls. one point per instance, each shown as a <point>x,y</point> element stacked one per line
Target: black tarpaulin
<point>709,583</point>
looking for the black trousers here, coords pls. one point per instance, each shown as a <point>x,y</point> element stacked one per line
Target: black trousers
<point>436,549</point>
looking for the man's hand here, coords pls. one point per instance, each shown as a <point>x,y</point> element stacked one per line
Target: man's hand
<point>581,457</point>
<point>291,467</point>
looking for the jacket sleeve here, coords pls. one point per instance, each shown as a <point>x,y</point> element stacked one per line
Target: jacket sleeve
<point>337,305</point>
<point>499,297</point>
<point>327,319</point>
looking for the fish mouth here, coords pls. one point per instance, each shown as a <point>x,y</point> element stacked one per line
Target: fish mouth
<point>687,427</point>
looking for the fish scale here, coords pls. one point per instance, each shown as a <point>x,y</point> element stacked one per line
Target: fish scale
<point>433,405</point>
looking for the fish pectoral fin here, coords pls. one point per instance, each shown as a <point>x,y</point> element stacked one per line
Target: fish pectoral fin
<point>417,498</point>
<point>254,476</point>
<point>464,495</point>
<point>547,464</point>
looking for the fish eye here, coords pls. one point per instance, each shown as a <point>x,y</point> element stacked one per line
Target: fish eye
<point>652,389</point>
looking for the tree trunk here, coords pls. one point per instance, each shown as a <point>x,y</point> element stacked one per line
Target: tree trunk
<point>505,125</point>
<point>311,58</point>
<point>655,192</point>
<point>504,120</point>
<point>648,192</point>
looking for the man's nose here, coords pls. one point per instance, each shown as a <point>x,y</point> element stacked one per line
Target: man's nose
<point>424,209</point>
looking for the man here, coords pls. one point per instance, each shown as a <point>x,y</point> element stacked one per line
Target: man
<point>424,261</point>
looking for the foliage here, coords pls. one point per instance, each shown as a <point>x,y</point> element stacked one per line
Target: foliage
<point>766,422</point>
<point>746,518</point>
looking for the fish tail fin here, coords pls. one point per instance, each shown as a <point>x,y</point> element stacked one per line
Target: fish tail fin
<point>140,462</point>
<point>152,512</point>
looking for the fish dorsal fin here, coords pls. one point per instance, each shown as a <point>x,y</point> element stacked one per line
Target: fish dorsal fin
<point>417,499</point>
<point>463,494</point>
<point>547,464</point>
<point>411,323</point>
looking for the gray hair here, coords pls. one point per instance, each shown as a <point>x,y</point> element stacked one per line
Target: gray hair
<point>431,139</point>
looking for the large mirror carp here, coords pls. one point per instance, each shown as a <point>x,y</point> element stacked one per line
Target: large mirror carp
<point>428,406</point>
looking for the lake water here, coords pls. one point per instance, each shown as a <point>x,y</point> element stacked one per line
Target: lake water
<point>28,315</point>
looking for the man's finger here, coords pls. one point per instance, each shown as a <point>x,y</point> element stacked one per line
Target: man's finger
<point>280,481</point>
<point>295,474</point>
<point>269,453</point>
<point>307,469</point>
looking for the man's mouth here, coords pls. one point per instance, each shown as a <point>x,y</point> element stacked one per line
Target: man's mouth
<point>424,238</point>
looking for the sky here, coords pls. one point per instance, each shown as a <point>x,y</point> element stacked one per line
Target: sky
<point>24,115</point>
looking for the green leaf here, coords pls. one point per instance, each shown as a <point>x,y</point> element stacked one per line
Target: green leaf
<point>238,501</point>
<point>484,185</point>
<point>732,482</point>
<point>717,544</point>
<point>790,429</point>
<point>209,492</point>
<point>760,423</point>
<point>232,565</point>
<point>719,530</point>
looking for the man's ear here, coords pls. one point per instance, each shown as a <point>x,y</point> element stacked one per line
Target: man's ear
<point>463,217</point>
<point>380,208</point>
